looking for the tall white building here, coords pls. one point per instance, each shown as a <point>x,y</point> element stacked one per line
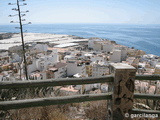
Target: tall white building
<point>123,53</point>
<point>108,47</point>
<point>91,43</point>
<point>99,69</point>
<point>61,70</point>
<point>116,56</point>
<point>74,67</point>
<point>97,46</point>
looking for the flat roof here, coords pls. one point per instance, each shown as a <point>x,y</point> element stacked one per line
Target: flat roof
<point>66,45</point>
<point>122,66</point>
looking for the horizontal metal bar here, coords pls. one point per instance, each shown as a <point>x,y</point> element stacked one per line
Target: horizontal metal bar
<point>141,111</point>
<point>18,104</point>
<point>61,82</point>
<point>55,82</point>
<point>147,96</point>
<point>67,81</point>
<point>148,77</point>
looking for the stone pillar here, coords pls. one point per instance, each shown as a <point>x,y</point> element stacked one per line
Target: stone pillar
<point>120,107</point>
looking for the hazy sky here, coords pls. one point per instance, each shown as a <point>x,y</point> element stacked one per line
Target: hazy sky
<point>86,11</point>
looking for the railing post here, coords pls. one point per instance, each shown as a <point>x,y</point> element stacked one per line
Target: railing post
<point>120,107</point>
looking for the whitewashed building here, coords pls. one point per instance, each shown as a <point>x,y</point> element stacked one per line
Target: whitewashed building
<point>100,69</point>
<point>61,70</point>
<point>97,46</point>
<point>97,58</point>
<point>91,42</point>
<point>115,56</point>
<point>108,47</point>
<point>74,67</point>
<point>42,61</point>
<point>124,52</point>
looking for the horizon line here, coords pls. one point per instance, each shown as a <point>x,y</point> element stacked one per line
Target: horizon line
<point>89,23</point>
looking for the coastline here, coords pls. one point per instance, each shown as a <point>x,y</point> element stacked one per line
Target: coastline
<point>58,40</point>
<point>141,37</point>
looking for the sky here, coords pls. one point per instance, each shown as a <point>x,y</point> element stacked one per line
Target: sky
<point>85,11</point>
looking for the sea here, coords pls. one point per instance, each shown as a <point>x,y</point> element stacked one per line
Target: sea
<point>143,37</point>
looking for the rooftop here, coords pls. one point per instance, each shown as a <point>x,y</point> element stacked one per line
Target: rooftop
<point>122,66</point>
<point>66,45</point>
<point>60,64</point>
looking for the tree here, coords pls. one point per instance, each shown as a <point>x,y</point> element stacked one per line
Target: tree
<point>20,15</point>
